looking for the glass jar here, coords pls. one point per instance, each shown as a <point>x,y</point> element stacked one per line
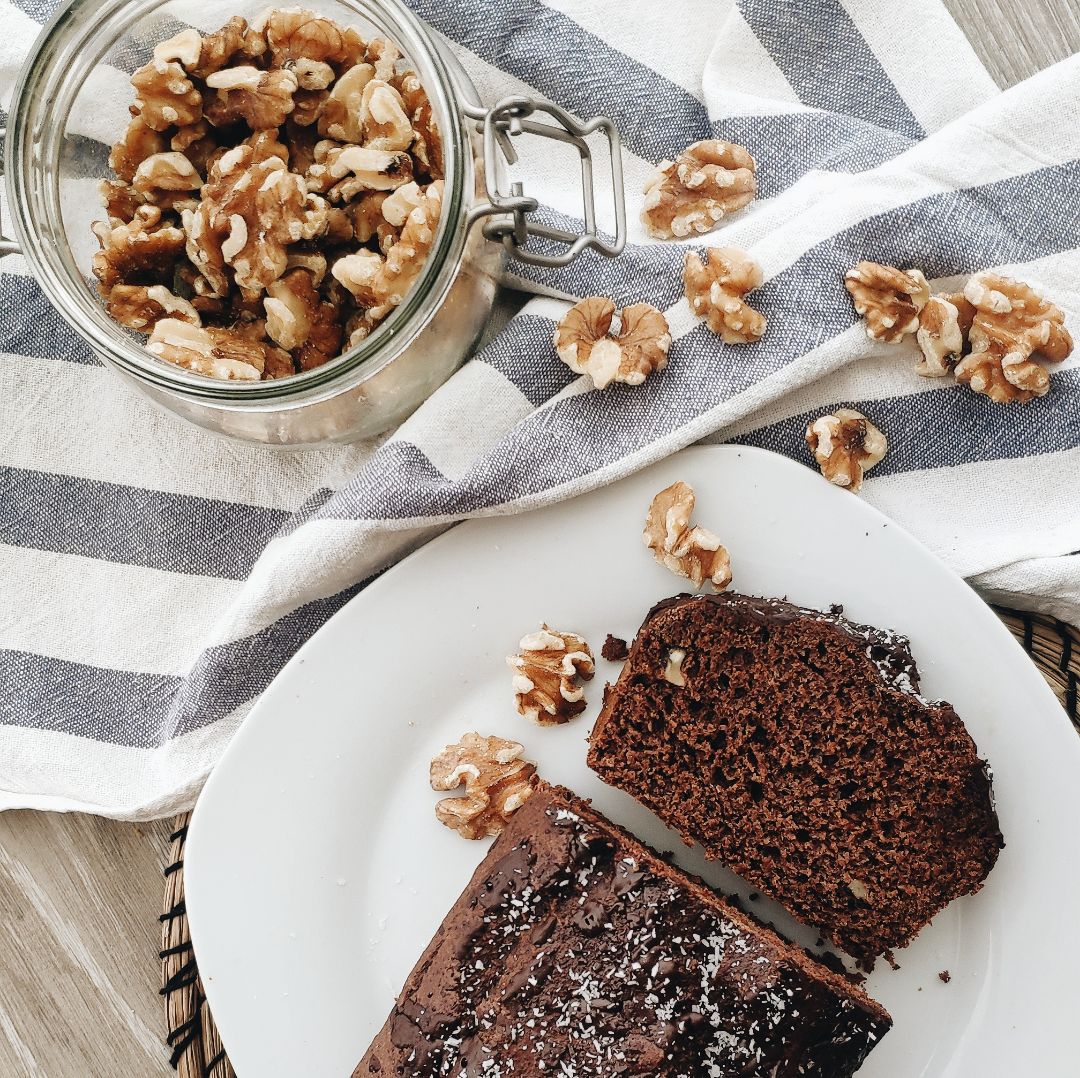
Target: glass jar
<point>71,105</point>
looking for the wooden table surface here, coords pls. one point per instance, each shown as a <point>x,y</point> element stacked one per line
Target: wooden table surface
<point>79,896</point>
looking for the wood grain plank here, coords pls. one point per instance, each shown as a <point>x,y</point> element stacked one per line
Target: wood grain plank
<point>79,940</point>
<point>1016,40</point>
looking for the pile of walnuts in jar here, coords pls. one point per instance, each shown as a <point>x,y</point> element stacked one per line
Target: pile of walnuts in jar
<point>277,193</point>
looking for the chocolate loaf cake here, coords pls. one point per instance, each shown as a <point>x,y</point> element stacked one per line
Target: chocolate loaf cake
<point>575,950</point>
<point>794,746</point>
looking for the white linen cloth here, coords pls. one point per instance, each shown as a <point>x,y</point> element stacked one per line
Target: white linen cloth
<point>155,579</point>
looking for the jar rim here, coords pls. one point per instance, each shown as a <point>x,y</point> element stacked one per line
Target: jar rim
<point>37,215</point>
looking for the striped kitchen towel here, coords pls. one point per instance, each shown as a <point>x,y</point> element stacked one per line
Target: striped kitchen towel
<point>157,579</point>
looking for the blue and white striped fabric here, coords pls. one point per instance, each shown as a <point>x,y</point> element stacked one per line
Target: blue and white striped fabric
<point>157,579</point>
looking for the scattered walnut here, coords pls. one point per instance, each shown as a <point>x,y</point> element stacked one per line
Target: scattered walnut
<point>693,552</point>
<point>166,97</point>
<point>497,783</point>
<point>213,351</point>
<point>944,324</point>
<point>640,347</point>
<point>846,445</point>
<point>888,299</point>
<point>547,670</point>
<point>141,306</point>
<point>715,291</point>
<point>692,193</point>
<point>138,143</point>
<point>261,99</point>
<point>144,249</point>
<point>1012,324</point>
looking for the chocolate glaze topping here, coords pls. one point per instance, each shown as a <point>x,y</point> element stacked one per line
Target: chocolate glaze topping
<point>577,952</point>
<point>795,747</point>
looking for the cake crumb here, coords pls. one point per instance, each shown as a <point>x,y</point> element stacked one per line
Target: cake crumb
<point>615,649</point>
<point>891,959</point>
<point>944,976</point>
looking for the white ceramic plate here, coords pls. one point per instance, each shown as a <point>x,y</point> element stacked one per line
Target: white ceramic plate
<point>316,872</point>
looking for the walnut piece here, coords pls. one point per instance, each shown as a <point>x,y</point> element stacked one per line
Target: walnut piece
<point>165,96</point>
<point>715,290</point>
<point>888,299</point>
<point>137,144</point>
<point>704,183</point>
<point>259,158</point>
<point>942,335</point>
<point>636,351</point>
<point>1012,324</point>
<point>846,445</point>
<point>141,306</point>
<point>213,351</point>
<point>261,99</point>
<point>693,552</point>
<point>548,671</point>
<point>143,250</point>
<point>497,781</point>
<point>381,284</point>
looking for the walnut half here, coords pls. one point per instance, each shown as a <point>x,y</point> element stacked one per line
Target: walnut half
<point>692,552</point>
<point>497,783</point>
<point>1012,324</point>
<point>547,670</point>
<point>704,183</point>
<point>715,290</point>
<point>888,299</point>
<point>640,347</point>
<point>846,445</point>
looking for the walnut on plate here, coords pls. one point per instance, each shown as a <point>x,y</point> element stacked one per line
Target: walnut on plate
<point>715,290</point>
<point>888,299</point>
<point>497,781</point>
<point>846,445</point>
<point>1012,324</point>
<point>548,670</point>
<point>944,324</point>
<point>704,183</point>
<point>692,552</point>
<point>641,346</point>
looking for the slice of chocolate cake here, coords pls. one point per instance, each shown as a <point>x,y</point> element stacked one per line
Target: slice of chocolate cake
<point>575,950</point>
<point>794,747</point>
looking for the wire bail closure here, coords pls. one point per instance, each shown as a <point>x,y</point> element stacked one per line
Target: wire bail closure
<point>507,217</point>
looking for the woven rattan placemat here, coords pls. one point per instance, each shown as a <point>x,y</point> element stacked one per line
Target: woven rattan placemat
<point>195,1047</point>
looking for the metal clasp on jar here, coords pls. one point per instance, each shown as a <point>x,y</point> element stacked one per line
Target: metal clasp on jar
<point>507,216</point>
